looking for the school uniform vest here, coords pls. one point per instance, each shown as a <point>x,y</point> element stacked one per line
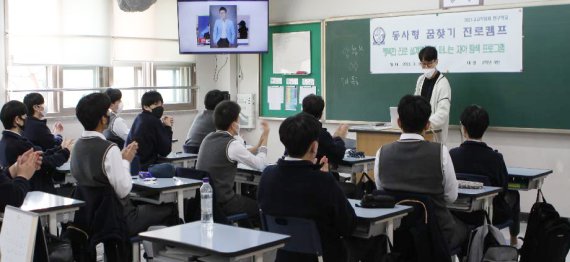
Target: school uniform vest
<point>213,158</point>
<point>111,135</point>
<point>202,126</point>
<point>415,166</point>
<point>88,161</point>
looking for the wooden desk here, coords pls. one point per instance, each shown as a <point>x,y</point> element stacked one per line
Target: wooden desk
<point>521,178</point>
<point>55,208</point>
<point>370,138</point>
<point>469,200</point>
<point>180,158</point>
<point>221,242</point>
<point>375,221</point>
<point>165,190</point>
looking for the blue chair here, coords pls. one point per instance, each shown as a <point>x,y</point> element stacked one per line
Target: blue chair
<point>305,237</point>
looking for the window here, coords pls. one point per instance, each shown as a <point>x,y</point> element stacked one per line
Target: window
<point>89,45</point>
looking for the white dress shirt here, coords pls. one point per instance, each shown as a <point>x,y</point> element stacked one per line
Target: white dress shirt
<point>120,128</point>
<point>450,185</point>
<point>237,152</point>
<point>117,169</point>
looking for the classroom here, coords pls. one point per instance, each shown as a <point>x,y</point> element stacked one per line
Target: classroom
<point>66,50</point>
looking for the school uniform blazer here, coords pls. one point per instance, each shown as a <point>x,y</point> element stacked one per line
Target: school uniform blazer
<point>39,134</point>
<point>331,147</point>
<point>153,137</point>
<point>440,105</point>
<point>477,158</point>
<point>299,189</point>
<point>12,190</point>
<point>13,145</point>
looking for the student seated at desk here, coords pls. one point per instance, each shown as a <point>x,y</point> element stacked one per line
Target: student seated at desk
<point>474,157</point>
<point>220,153</point>
<point>330,146</point>
<point>299,187</point>
<point>118,130</point>
<point>204,122</point>
<point>96,162</point>
<point>36,129</point>
<point>151,130</point>
<point>414,165</point>
<point>14,183</point>
<point>13,144</point>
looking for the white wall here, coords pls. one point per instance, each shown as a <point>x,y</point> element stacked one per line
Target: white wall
<point>519,149</point>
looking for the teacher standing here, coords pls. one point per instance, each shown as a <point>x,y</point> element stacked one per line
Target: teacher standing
<point>433,85</point>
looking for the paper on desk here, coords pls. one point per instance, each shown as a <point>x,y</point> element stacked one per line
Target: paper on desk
<point>275,97</point>
<point>305,91</point>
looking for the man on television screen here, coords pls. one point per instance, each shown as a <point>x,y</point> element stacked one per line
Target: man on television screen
<point>224,30</point>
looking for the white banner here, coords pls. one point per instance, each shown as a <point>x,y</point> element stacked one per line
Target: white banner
<point>482,41</point>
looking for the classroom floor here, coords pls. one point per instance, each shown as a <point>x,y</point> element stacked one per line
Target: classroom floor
<point>504,231</point>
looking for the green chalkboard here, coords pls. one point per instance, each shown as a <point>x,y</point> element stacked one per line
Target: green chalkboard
<point>535,98</point>
<point>267,70</point>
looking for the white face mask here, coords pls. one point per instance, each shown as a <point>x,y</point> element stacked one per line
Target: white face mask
<point>429,72</point>
<point>44,111</point>
<point>120,108</point>
<point>238,128</point>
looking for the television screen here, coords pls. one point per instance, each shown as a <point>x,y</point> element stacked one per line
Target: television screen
<point>236,26</point>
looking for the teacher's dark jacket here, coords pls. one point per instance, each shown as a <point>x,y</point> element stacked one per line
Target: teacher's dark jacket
<point>13,145</point>
<point>299,189</point>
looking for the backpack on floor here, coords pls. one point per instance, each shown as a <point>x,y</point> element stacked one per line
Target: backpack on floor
<point>547,236</point>
<point>487,243</point>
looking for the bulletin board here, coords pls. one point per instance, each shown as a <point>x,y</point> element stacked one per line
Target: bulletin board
<point>281,94</point>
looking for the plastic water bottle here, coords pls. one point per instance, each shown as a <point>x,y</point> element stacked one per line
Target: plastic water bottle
<point>206,196</point>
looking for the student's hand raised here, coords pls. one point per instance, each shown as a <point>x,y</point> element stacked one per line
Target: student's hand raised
<point>341,131</point>
<point>324,164</point>
<point>130,151</point>
<point>265,127</point>
<point>68,144</point>
<point>58,128</point>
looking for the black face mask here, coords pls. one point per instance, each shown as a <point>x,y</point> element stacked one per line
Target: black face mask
<point>157,111</point>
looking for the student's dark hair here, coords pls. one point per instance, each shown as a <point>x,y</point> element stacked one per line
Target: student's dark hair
<point>225,114</point>
<point>114,94</point>
<point>32,99</point>
<point>298,132</point>
<point>151,97</point>
<point>314,105</point>
<point>91,108</point>
<point>10,111</point>
<point>414,113</point>
<point>223,9</point>
<point>475,119</point>
<point>213,98</point>
<point>428,53</point>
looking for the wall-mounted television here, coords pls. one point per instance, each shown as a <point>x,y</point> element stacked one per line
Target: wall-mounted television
<point>237,26</point>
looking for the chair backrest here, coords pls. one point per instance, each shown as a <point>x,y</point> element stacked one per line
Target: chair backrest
<point>419,237</point>
<point>191,173</point>
<point>473,177</point>
<point>190,149</point>
<point>305,237</point>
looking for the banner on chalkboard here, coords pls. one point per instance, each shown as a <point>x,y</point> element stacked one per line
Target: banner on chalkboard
<point>481,41</point>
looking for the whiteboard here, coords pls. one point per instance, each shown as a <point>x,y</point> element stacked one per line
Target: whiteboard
<point>18,235</point>
<point>292,53</point>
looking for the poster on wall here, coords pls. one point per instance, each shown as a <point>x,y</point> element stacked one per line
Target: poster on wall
<point>481,41</point>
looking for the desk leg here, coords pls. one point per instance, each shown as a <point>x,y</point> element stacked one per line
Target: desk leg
<point>180,196</point>
<point>258,257</point>
<point>488,206</point>
<point>52,224</point>
<point>238,188</point>
<point>390,230</point>
<point>136,252</point>
<point>353,178</point>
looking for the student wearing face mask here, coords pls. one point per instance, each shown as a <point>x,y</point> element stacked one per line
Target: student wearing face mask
<point>151,130</point>
<point>117,131</point>
<point>221,151</point>
<point>38,132</point>
<point>434,87</point>
<point>13,144</point>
